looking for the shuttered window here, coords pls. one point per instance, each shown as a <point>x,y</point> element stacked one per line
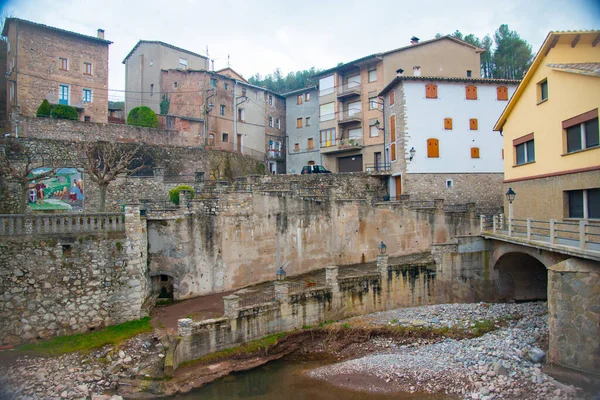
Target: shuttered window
<point>298,122</point>
<point>448,124</point>
<point>431,91</point>
<point>393,128</point>
<point>471,92</point>
<point>392,98</point>
<point>473,124</point>
<point>433,148</point>
<point>474,152</point>
<point>393,151</point>
<point>502,93</point>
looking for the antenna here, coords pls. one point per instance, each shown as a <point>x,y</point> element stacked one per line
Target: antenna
<point>228,59</point>
<point>206,50</point>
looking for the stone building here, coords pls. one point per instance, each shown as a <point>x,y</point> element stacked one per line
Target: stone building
<point>439,139</point>
<point>302,129</point>
<point>64,67</point>
<point>551,134</point>
<point>348,100</point>
<point>275,147</point>
<point>143,66</point>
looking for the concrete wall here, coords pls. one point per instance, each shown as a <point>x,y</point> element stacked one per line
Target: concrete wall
<point>308,109</point>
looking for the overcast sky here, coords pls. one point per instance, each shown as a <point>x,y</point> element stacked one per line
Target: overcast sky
<point>261,35</point>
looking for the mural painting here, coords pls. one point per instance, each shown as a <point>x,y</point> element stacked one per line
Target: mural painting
<point>62,191</point>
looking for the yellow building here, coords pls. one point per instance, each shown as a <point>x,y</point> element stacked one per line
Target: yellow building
<point>550,129</point>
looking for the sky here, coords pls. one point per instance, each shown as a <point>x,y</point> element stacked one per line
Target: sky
<point>261,35</point>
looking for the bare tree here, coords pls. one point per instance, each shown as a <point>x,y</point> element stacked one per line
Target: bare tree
<point>105,161</point>
<point>18,163</point>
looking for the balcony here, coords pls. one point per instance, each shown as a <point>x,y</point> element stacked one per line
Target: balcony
<point>378,169</point>
<point>350,116</point>
<point>341,146</point>
<point>348,91</point>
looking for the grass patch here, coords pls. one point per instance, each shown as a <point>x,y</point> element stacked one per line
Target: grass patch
<point>87,341</point>
<point>323,324</point>
<point>394,322</point>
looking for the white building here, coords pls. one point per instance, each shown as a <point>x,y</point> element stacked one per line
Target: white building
<point>448,124</point>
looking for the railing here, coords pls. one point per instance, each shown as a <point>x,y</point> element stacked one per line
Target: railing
<point>19,224</point>
<point>349,89</point>
<point>267,296</point>
<point>297,287</point>
<point>351,115</point>
<point>378,167</point>
<point>581,234</point>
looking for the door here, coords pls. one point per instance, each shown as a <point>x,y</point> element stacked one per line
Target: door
<point>398,181</point>
<point>378,166</point>
<point>350,164</point>
<point>239,143</point>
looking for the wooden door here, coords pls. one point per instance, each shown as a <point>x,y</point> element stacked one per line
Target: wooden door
<point>398,180</point>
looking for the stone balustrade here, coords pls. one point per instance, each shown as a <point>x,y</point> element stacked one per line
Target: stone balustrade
<point>31,224</point>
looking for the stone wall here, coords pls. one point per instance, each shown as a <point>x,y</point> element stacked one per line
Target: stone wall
<point>59,284</point>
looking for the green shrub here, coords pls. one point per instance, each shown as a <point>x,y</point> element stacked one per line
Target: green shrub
<point>44,109</point>
<point>142,116</point>
<point>174,193</point>
<point>63,111</point>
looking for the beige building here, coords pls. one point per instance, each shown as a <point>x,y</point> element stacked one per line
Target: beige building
<point>349,105</point>
<point>143,66</point>
<point>63,67</point>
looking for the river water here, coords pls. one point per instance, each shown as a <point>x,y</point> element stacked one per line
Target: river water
<point>284,379</point>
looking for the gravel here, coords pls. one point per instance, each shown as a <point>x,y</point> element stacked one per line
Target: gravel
<point>505,363</point>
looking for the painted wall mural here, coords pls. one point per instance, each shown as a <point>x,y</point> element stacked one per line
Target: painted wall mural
<point>63,191</point>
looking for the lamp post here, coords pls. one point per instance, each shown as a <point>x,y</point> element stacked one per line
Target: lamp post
<point>412,153</point>
<point>280,274</point>
<point>382,260</point>
<point>382,248</point>
<point>510,196</point>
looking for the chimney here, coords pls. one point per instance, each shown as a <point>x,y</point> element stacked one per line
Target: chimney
<point>416,70</point>
<point>399,71</point>
<point>100,33</point>
<point>414,40</point>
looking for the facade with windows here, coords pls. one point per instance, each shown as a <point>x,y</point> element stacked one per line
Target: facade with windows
<point>551,135</point>
<point>302,132</point>
<point>349,107</point>
<point>143,66</point>
<point>60,66</point>
<point>439,138</point>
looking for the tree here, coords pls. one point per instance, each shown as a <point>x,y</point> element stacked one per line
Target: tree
<point>18,163</point>
<point>487,62</point>
<point>174,193</point>
<point>165,103</point>
<point>105,161</point>
<point>512,56</point>
<point>44,109</point>
<point>280,84</point>
<point>142,116</point>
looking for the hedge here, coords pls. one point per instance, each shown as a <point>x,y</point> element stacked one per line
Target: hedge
<point>63,111</point>
<point>142,116</point>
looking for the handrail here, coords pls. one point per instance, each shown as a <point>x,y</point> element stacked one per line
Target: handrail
<point>28,224</point>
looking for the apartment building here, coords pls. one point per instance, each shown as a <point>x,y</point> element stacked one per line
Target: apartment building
<point>439,138</point>
<point>551,134</point>
<point>143,66</point>
<point>63,67</point>
<point>302,129</point>
<point>348,96</point>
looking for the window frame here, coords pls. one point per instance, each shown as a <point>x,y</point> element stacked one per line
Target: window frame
<point>278,122</point>
<point>184,64</point>
<point>299,123</point>
<point>540,91</point>
<point>430,153</point>
<point>371,131</point>
<point>586,204</point>
<point>83,95</point>
<point>270,99</point>
<point>222,110</point>
<point>471,94</point>
<point>307,121</point>
<point>392,97</point>
<point>60,63</point>
<point>502,93</point>
<point>299,99</point>
<point>224,137</point>
<point>431,91</point>
<point>296,147</point>
<point>61,92</point>
<point>85,68</point>
<point>306,97</point>
<point>271,123</point>
<point>473,124</point>
<point>582,122</point>
<point>527,143</point>
<point>325,90</point>
<point>311,144</point>
<point>369,75</point>
<point>213,82</point>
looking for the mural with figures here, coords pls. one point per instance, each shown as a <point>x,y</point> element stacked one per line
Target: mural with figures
<point>62,191</point>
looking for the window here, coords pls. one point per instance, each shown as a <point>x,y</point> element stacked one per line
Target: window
<point>543,91</point>
<point>311,144</point>
<point>87,118</point>
<point>471,92</point>
<point>355,133</point>
<point>226,85</point>
<point>306,96</point>
<point>241,115</point>
<point>448,124</point>
<point>584,203</point>
<point>374,131</point>
<point>87,68</point>
<point>502,93</point>
<point>373,103</point>
<point>449,183</point>
<point>307,121</point>
<point>433,148</point>
<point>392,128</point>
<point>393,151</point>
<point>327,137</point>
<point>326,85</point>
<point>152,89</point>
<point>297,147</point>
<point>87,95</point>
<point>473,124</point>
<point>524,149</point>
<point>213,82</point>
<point>222,110</point>
<point>469,73</point>
<point>431,91</point>
<point>327,112</point>
<point>299,99</point>
<point>373,75</point>
<point>12,91</point>
<point>278,123</point>
<point>175,84</point>
<point>225,137</point>
<point>582,131</point>
<point>474,152</point>
<point>63,64</point>
<point>63,94</point>
<point>270,100</point>
<point>353,81</point>
<point>299,122</point>
<point>392,97</point>
<point>183,63</point>
<point>270,122</point>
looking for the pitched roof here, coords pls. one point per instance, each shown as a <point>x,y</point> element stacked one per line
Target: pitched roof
<point>397,79</point>
<point>302,90</point>
<point>549,43</point>
<point>139,43</point>
<point>410,46</point>
<point>52,28</point>
<point>590,68</point>
<point>223,71</point>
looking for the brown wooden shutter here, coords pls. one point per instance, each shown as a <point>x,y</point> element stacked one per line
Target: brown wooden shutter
<point>433,148</point>
<point>474,152</point>
<point>393,128</point>
<point>393,150</point>
<point>298,122</point>
<point>392,97</point>
<point>473,124</point>
<point>503,154</point>
<point>448,124</point>
<point>431,91</point>
<point>310,144</point>
<point>471,92</point>
<point>502,92</point>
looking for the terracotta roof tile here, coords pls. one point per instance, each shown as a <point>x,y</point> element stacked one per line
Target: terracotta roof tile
<point>589,68</point>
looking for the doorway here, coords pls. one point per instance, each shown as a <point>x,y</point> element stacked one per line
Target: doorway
<point>239,143</point>
<point>398,183</point>
<point>378,165</point>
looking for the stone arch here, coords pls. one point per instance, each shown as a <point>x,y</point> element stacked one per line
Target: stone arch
<point>521,277</point>
<point>165,285</point>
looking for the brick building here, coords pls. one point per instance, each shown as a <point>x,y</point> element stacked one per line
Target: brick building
<point>64,67</point>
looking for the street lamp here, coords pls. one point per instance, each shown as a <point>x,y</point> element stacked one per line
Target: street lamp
<point>412,153</point>
<point>510,196</point>
<point>280,274</point>
<point>382,248</point>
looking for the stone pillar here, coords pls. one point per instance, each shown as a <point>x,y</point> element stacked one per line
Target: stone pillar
<point>232,303</point>
<point>331,275</point>
<point>282,290</point>
<point>28,223</point>
<point>184,199</point>
<point>382,265</point>
<point>184,327</point>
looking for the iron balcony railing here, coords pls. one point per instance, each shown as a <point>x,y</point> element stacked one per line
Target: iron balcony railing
<point>378,167</point>
<point>350,116</point>
<point>349,90</point>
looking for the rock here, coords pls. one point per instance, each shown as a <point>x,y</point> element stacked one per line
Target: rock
<point>127,360</point>
<point>114,368</point>
<point>536,355</point>
<point>121,354</point>
<point>499,368</point>
<point>491,374</point>
<point>83,389</point>
<point>484,391</point>
<point>64,394</point>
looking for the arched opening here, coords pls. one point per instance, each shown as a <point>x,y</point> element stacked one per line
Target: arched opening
<point>521,277</point>
<point>162,287</point>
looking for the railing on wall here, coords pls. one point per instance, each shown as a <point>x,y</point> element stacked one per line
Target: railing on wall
<point>21,224</point>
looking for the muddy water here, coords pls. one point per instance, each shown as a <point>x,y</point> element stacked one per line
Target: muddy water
<point>283,380</point>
